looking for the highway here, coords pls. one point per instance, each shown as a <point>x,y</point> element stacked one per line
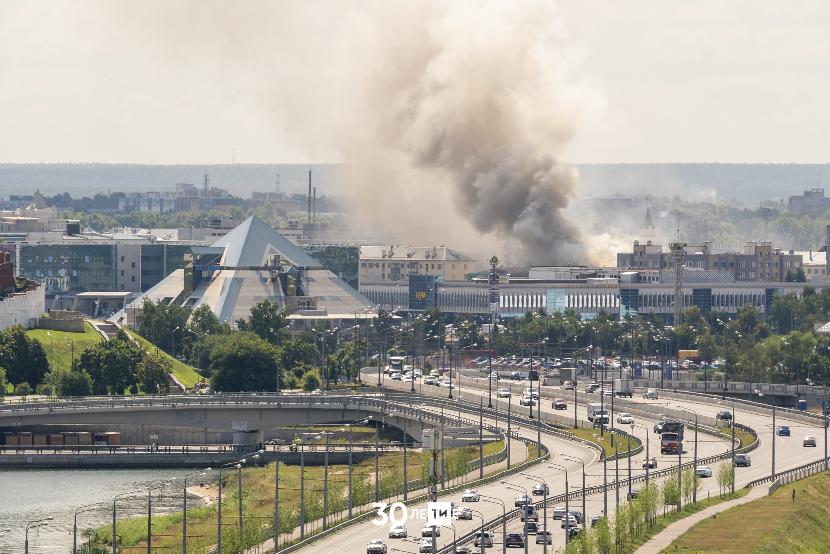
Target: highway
<point>789,453</point>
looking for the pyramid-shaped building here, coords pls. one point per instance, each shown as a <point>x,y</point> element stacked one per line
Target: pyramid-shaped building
<point>253,262</point>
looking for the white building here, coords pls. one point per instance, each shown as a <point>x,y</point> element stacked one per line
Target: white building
<point>383,264</point>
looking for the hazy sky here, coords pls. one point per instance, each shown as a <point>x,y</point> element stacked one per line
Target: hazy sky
<point>165,82</point>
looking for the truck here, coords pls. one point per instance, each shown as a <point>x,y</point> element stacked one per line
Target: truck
<point>670,443</point>
<point>592,408</point>
<point>673,427</point>
<point>624,387</point>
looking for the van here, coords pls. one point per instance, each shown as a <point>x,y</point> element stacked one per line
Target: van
<point>650,394</point>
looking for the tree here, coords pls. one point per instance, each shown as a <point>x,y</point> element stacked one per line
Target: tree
<point>243,362</point>
<point>23,389</point>
<point>268,320</point>
<point>112,364</point>
<point>22,356</point>
<point>152,374</point>
<point>296,354</point>
<point>159,322</point>
<point>203,321</point>
<point>75,382</point>
<point>311,380</point>
<point>3,382</point>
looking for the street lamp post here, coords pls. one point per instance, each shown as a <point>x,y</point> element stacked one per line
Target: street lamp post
<point>567,506</point>
<point>114,501</point>
<point>34,524</point>
<point>648,458</point>
<point>79,510</point>
<point>150,490</point>
<point>494,500</point>
<point>521,489</point>
<point>184,506</point>
<point>584,506</point>
<point>544,507</point>
<point>237,465</point>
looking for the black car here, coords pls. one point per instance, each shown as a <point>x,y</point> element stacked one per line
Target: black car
<point>633,494</point>
<point>724,415</point>
<point>514,539</point>
<point>573,532</point>
<point>532,527</point>
<point>533,375</point>
<point>650,463</point>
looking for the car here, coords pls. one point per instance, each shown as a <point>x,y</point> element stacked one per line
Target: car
<point>560,404</point>
<point>376,546</point>
<point>724,415</point>
<point>568,385</point>
<point>650,394</point>
<point>658,427</point>
<point>559,512</point>
<point>532,527</point>
<point>650,463</point>
<point>625,418</point>
<point>426,545</point>
<point>573,532</point>
<point>407,379</point>
<point>634,493</point>
<point>595,520</point>
<point>470,495</point>
<point>783,431</point>
<point>514,540</point>
<point>527,401</point>
<point>742,460</point>
<point>396,376</point>
<point>427,531</point>
<point>503,393</point>
<point>435,373</point>
<point>809,440</point>
<point>539,489</point>
<point>521,500</point>
<point>462,550</point>
<point>397,532</point>
<point>569,520</point>
<point>430,380</point>
<point>515,375</point>
<point>534,393</point>
<point>609,393</point>
<point>704,471</point>
<point>463,513</point>
<point>578,515</point>
<point>591,387</point>
<point>485,538</point>
<point>533,375</point>
<point>494,376</point>
<point>544,537</point>
<point>529,513</point>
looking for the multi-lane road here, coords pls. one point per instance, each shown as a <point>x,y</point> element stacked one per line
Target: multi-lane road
<point>570,455</point>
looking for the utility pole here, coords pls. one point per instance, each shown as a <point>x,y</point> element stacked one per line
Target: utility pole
<point>494,306</point>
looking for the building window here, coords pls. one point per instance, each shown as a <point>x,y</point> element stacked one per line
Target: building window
<point>122,273</point>
<point>132,278</point>
<point>122,258</point>
<point>132,265</point>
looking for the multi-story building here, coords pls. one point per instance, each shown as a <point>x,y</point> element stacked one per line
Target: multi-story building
<point>380,264</point>
<point>756,262</point>
<point>812,202</point>
<point>21,303</point>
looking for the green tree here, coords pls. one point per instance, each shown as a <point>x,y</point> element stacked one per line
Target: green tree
<point>311,380</point>
<point>23,389</point>
<point>22,356</point>
<point>243,362</point>
<point>152,374</point>
<point>203,321</point>
<point>296,354</point>
<point>112,364</point>
<point>75,382</point>
<point>268,320</point>
<point>160,321</point>
<point>3,382</point>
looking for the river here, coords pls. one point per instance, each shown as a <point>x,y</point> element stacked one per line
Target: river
<point>27,495</point>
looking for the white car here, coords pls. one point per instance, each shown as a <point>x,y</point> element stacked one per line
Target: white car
<point>427,531</point>
<point>494,376</point>
<point>503,393</point>
<point>625,418</point>
<point>470,495</point>
<point>463,513</point>
<point>426,545</point>
<point>397,532</point>
<point>704,471</point>
<point>376,546</point>
<point>527,401</point>
<point>396,376</point>
<point>435,373</point>
<point>407,378</point>
<point>429,380</point>
<point>809,440</point>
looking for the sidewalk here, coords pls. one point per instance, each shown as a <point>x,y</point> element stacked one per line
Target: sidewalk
<point>664,538</point>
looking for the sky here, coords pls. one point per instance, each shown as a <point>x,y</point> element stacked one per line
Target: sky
<point>198,81</point>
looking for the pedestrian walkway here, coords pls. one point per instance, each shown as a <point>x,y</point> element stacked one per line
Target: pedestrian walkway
<point>664,538</point>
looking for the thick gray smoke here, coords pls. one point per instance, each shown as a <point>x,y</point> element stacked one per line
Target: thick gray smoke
<point>467,108</point>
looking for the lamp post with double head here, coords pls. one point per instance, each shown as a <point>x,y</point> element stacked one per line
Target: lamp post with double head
<point>544,506</point>
<point>519,488</point>
<point>79,510</point>
<point>184,506</point>
<point>567,506</point>
<point>584,507</point>
<point>494,500</point>
<point>33,525</point>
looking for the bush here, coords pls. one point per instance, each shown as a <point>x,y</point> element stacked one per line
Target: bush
<point>76,382</point>
<point>23,389</point>
<point>311,380</point>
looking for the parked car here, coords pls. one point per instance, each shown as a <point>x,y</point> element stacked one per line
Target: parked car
<point>742,460</point>
<point>625,418</point>
<point>376,546</point>
<point>704,471</point>
<point>650,463</point>
<point>435,373</point>
<point>650,394</point>
<point>568,385</point>
<point>532,527</point>
<point>397,532</point>
<point>544,537</point>
<point>426,545</point>
<point>724,415</point>
<point>470,495</point>
<point>539,489</point>
<point>521,500</point>
<point>514,540</point>
<point>486,538</point>
<point>503,393</point>
<point>560,404</point>
<point>463,513</point>
<point>783,431</point>
<point>809,440</point>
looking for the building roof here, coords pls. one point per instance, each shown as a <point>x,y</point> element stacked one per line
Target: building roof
<point>813,258</point>
<point>244,276</point>
<point>403,253</point>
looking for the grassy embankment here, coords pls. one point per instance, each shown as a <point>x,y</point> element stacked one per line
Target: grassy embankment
<point>770,524</point>
<point>594,436</point>
<point>186,374</point>
<point>258,501</point>
<point>59,345</point>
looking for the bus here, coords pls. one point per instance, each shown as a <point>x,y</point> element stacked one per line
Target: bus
<point>395,364</point>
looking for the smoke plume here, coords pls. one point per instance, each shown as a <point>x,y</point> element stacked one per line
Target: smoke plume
<point>463,112</point>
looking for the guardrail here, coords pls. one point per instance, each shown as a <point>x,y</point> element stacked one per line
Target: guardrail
<point>790,475</point>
